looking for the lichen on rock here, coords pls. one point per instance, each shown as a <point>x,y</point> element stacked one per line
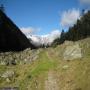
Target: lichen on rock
<point>72,52</point>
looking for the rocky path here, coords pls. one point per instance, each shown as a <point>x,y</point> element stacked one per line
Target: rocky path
<point>51,82</point>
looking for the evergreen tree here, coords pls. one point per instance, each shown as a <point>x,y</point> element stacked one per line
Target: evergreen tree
<point>79,31</point>
<point>62,37</point>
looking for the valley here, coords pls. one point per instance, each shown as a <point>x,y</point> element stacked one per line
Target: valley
<point>49,71</point>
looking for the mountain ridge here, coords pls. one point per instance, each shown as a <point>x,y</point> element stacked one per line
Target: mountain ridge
<point>11,38</point>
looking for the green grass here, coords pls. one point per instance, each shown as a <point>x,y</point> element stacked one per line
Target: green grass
<point>44,64</point>
<point>32,76</point>
<point>28,73</point>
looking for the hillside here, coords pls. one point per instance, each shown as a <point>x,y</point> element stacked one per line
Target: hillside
<point>80,30</point>
<point>48,68</point>
<point>11,38</point>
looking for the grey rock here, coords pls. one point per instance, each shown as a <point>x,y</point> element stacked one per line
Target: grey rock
<point>65,67</point>
<point>8,80</point>
<point>23,57</point>
<point>8,74</point>
<point>2,63</point>
<point>72,52</point>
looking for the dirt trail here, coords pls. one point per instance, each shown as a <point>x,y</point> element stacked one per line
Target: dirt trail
<point>51,82</point>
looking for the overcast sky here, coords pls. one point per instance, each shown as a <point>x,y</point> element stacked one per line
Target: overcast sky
<point>44,16</point>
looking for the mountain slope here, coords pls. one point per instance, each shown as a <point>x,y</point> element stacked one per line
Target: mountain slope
<point>11,38</point>
<point>80,30</point>
<point>49,71</point>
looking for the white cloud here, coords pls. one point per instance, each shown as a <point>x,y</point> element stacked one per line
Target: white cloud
<point>45,39</point>
<point>85,1</point>
<point>40,39</point>
<point>53,35</point>
<point>68,18</point>
<point>29,30</point>
<point>36,40</point>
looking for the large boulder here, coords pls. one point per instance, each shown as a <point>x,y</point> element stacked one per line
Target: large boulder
<point>11,38</point>
<point>72,51</point>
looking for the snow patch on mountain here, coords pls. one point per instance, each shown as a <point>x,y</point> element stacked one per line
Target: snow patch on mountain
<point>39,40</point>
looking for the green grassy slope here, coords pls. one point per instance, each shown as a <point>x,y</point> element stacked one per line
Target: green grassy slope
<point>50,72</point>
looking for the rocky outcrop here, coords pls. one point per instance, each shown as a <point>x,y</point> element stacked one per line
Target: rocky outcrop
<point>72,51</point>
<point>23,57</point>
<point>11,38</point>
<point>8,75</point>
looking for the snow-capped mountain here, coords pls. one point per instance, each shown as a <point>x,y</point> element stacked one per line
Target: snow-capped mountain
<point>43,39</point>
<point>39,40</point>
